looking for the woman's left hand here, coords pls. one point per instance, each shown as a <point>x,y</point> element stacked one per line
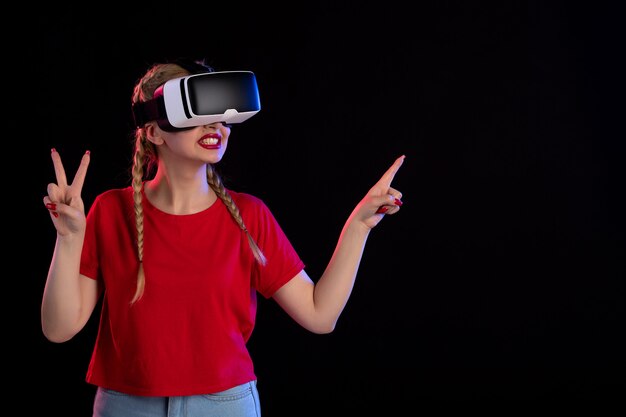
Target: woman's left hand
<point>381,199</point>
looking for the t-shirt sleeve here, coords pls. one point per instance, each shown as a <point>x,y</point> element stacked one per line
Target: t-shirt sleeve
<point>89,264</point>
<point>283,262</point>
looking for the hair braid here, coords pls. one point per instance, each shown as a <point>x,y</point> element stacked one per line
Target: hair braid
<point>145,157</point>
<point>137,183</point>
<point>216,184</point>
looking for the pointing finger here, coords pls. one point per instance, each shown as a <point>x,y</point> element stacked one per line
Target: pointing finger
<point>387,178</point>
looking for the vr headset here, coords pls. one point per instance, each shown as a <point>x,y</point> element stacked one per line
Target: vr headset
<point>200,99</point>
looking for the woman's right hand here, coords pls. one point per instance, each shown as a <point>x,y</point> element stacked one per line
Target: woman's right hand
<point>64,201</point>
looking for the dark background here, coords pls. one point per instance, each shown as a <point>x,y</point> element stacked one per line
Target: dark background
<point>502,277</point>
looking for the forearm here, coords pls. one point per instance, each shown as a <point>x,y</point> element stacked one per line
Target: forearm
<point>61,304</point>
<point>335,285</point>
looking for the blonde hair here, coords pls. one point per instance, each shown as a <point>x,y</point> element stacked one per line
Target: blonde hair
<point>145,160</point>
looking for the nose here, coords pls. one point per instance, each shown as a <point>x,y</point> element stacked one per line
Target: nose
<point>217,125</point>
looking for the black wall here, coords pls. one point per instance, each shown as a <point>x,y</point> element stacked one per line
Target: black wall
<point>502,277</point>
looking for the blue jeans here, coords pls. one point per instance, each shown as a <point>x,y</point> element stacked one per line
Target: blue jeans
<point>240,401</point>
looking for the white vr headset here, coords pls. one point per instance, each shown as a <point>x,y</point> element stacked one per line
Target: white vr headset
<point>200,99</point>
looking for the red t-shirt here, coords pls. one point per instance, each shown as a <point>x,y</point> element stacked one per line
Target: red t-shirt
<point>188,333</point>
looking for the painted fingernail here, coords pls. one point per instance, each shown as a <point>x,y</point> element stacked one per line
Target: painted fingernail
<point>88,152</point>
<point>382,210</point>
<point>55,214</point>
<point>53,150</point>
<point>51,206</point>
<point>398,202</point>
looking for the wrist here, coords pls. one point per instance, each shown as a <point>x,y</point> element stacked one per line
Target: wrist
<point>70,240</point>
<point>356,228</point>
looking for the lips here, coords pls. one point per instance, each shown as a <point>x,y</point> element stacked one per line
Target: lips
<point>211,141</point>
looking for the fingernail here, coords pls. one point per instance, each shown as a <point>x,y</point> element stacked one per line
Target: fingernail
<point>398,202</point>
<point>53,150</point>
<point>51,206</point>
<point>88,152</point>
<point>382,210</point>
<point>55,214</point>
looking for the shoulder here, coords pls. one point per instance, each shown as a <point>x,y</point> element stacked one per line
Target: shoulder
<point>115,196</point>
<point>253,209</point>
<point>247,202</point>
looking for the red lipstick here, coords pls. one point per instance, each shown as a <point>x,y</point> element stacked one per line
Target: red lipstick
<point>211,141</point>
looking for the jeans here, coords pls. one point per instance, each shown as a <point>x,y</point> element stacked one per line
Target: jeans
<point>240,401</point>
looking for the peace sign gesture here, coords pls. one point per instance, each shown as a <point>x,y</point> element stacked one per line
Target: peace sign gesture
<point>64,200</point>
<point>381,199</point>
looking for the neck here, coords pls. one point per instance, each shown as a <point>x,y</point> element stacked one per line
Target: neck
<point>177,192</point>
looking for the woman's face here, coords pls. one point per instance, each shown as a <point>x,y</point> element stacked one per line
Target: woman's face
<point>205,144</point>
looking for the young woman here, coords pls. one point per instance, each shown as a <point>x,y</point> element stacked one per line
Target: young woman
<point>178,259</point>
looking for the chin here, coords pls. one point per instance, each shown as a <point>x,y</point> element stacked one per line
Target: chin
<point>214,160</point>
